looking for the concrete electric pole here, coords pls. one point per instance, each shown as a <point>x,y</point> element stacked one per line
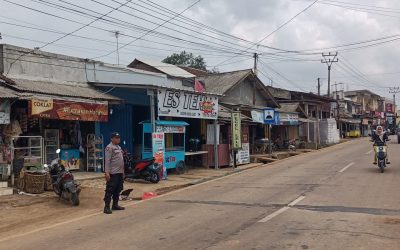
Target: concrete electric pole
<point>255,56</point>
<point>329,59</point>
<point>319,86</point>
<point>394,91</point>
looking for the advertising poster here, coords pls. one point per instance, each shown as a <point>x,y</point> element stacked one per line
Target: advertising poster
<point>236,130</point>
<point>70,158</point>
<point>158,142</point>
<point>178,103</point>
<point>67,110</point>
<point>242,156</point>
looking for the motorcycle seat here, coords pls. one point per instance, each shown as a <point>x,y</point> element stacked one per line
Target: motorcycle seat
<point>144,160</point>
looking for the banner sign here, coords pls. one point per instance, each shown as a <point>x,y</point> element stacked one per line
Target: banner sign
<point>236,130</point>
<point>257,116</point>
<point>389,108</point>
<point>178,103</point>
<point>67,110</point>
<point>269,116</point>
<point>158,143</point>
<point>243,155</point>
<point>170,129</point>
<point>5,109</point>
<point>288,118</point>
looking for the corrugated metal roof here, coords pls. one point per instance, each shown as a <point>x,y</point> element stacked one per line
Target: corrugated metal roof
<point>7,93</point>
<point>289,107</point>
<point>79,90</point>
<point>222,82</point>
<point>168,69</point>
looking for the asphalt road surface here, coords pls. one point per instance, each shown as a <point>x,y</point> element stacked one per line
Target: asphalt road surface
<point>330,199</point>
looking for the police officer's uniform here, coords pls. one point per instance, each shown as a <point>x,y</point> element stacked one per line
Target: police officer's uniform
<point>114,165</point>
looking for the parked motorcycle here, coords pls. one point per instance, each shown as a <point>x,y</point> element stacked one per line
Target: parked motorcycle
<point>145,169</point>
<point>291,145</point>
<point>63,182</point>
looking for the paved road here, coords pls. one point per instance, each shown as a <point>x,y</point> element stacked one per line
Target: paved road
<point>331,199</point>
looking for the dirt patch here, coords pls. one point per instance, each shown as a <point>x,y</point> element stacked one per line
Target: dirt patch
<point>392,221</point>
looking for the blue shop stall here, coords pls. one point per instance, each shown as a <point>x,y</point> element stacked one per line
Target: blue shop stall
<point>174,142</point>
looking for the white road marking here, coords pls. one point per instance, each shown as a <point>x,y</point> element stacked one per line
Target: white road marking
<point>369,152</point>
<point>344,169</point>
<point>291,204</point>
<point>278,212</point>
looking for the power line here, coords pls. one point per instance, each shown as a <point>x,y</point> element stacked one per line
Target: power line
<point>277,29</point>
<point>70,33</point>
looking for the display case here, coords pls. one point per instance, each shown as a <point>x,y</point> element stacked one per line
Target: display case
<point>51,144</point>
<point>95,153</point>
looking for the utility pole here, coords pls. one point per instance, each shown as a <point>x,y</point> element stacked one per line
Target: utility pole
<point>116,34</point>
<point>255,56</point>
<point>319,86</point>
<point>394,91</point>
<point>329,59</point>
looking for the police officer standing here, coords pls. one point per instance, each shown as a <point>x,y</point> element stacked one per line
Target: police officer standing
<point>114,173</point>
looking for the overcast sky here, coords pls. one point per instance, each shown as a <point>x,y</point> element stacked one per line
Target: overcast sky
<point>226,30</point>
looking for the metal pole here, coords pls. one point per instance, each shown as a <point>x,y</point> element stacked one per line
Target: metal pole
<point>150,93</point>
<point>216,153</point>
<point>319,86</point>
<point>329,81</point>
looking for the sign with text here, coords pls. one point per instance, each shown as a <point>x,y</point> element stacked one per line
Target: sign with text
<point>389,108</point>
<point>67,110</point>
<point>257,116</point>
<point>158,143</point>
<point>288,118</point>
<point>178,103</point>
<point>170,129</point>
<point>243,155</point>
<point>236,130</point>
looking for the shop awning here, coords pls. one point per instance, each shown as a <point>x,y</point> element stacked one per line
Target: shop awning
<point>224,113</point>
<point>6,93</point>
<point>352,121</point>
<point>31,89</point>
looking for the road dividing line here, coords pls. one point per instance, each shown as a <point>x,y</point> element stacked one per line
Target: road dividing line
<point>291,204</point>
<point>369,152</point>
<point>344,169</point>
<point>278,212</point>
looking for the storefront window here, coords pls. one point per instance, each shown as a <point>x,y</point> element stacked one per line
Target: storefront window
<point>174,142</point>
<point>147,142</point>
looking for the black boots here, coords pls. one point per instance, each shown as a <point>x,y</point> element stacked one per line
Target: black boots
<point>115,206</point>
<point>107,209</point>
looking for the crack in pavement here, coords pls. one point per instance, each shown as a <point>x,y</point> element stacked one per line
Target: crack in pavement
<point>224,203</point>
<point>343,209</point>
<point>344,231</point>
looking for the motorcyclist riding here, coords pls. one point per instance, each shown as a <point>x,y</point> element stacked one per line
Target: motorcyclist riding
<point>380,138</point>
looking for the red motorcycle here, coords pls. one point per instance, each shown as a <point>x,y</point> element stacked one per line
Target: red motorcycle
<point>145,169</point>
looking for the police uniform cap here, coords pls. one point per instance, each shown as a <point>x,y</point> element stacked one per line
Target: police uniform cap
<point>115,135</point>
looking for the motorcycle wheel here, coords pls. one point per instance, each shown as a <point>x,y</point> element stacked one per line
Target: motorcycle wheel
<point>75,199</point>
<point>154,176</point>
<point>180,168</point>
<point>382,167</point>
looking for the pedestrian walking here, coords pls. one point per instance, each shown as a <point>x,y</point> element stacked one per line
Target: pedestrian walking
<point>114,174</point>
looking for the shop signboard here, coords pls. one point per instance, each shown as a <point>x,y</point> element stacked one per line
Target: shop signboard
<point>68,110</point>
<point>170,129</point>
<point>5,108</point>
<point>389,108</point>
<point>257,116</point>
<point>178,103</point>
<point>269,116</point>
<point>288,118</point>
<point>236,130</point>
<point>158,143</point>
<point>243,155</point>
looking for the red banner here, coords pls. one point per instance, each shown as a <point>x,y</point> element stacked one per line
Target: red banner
<point>67,110</point>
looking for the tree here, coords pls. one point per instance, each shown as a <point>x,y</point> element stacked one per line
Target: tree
<point>186,59</point>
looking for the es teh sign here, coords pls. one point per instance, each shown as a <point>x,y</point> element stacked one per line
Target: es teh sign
<point>178,103</point>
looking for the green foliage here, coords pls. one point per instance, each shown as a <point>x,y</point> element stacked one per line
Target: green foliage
<point>186,59</point>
